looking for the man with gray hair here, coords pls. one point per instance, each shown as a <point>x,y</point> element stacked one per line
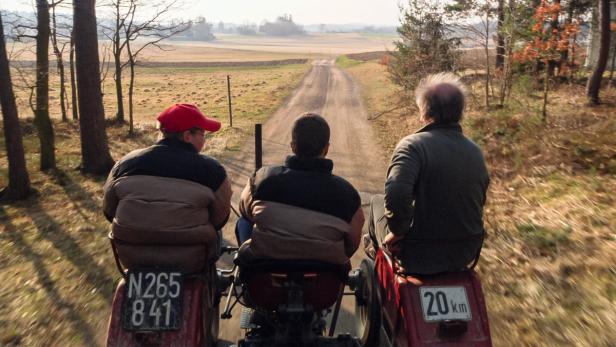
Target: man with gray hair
<point>431,216</point>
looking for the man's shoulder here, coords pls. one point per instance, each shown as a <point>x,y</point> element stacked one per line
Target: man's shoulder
<point>343,183</point>
<point>209,161</point>
<point>269,173</point>
<point>414,139</point>
<point>132,157</point>
<point>135,153</point>
<point>435,135</point>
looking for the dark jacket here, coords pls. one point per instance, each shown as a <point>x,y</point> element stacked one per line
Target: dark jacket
<point>302,211</point>
<point>434,195</point>
<point>165,203</point>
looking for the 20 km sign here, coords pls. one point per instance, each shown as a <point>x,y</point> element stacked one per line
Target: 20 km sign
<point>444,303</point>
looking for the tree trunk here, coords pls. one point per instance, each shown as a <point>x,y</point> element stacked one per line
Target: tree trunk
<point>551,64</point>
<point>94,148</point>
<point>546,85</point>
<point>613,62</point>
<point>594,82</point>
<point>73,81</point>
<point>507,72</point>
<point>131,86</point>
<point>19,182</point>
<point>487,52</point>
<point>500,37</point>
<point>117,56</point>
<point>538,64</point>
<point>41,114</point>
<point>118,85</point>
<point>564,55</point>
<point>572,61</point>
<point>59,61</point>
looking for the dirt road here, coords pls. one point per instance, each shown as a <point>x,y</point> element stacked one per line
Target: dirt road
<point>332,93</point>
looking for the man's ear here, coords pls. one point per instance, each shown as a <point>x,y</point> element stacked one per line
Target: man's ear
<point>294,147</point>
<point>186,136</point>
<point>325,150</point>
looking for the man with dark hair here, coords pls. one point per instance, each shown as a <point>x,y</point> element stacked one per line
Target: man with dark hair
<point>301,211</point>
<point>431,216</point>
<point>166,202</point>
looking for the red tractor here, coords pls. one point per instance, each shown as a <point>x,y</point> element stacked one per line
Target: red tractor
<point>396,309</point>
<point>165,303</point>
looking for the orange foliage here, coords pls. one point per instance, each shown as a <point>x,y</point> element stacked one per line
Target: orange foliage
<point>547,42</point>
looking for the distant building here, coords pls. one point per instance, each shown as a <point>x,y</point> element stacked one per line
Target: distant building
<point>593,47</point>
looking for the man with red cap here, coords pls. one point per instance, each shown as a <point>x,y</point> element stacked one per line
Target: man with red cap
<point>167,201</point>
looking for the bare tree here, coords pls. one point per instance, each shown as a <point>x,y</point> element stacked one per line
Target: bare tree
<point>19,181</point>
<point>41,114</point>
<point>104,64</point>
<point>94,147</point>
<point>58,50</point>
<point>479,33</point>
<point>124,33</point>
<point>594,82</point>
<point>509,32</point>
<point>119,41</point>
<point>150,32</point>
<point>40,89</point>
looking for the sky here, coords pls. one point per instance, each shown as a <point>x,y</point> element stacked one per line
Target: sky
<point>374,12</point>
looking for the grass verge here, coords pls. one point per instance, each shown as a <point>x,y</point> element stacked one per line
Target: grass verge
<point>345,62</point>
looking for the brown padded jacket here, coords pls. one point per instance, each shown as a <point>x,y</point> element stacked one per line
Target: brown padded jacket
<point>166,216</point>
<point>301,212</point>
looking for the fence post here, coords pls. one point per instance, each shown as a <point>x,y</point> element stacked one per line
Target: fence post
<point>229,98</point>
<point>258,148</point>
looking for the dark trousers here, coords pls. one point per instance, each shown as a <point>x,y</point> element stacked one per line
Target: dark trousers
<point>243,230</point>
<point>377,227</point>
<point>421,258</point>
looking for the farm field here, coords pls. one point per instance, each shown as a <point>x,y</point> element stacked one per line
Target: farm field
<point>548,264</point>
<point>237,48</point>
<point>256,92</point>
<point>330,44</point>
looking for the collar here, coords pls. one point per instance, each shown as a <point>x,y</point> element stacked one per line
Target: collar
<point>445,126</point>
<point>309,164</point>
<point>177,144</point>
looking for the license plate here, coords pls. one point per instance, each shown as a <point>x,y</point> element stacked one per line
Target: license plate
<point>152,301</point>
<point>444,303</point>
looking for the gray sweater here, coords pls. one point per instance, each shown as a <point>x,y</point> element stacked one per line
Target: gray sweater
<point>434,196</point>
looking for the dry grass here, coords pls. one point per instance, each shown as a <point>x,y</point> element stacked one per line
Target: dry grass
<point>549,263</point>
<point>57,273</point>
<point>256,92</point>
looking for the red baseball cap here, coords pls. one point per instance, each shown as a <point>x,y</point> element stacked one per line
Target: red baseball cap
<point>182,117</point>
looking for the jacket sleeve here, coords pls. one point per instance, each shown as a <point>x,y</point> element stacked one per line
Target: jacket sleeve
<point>402,175</point>
<point>110,199</point>
<point>246,200</point>
<point>221,206</point>
<point>353,238</point>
